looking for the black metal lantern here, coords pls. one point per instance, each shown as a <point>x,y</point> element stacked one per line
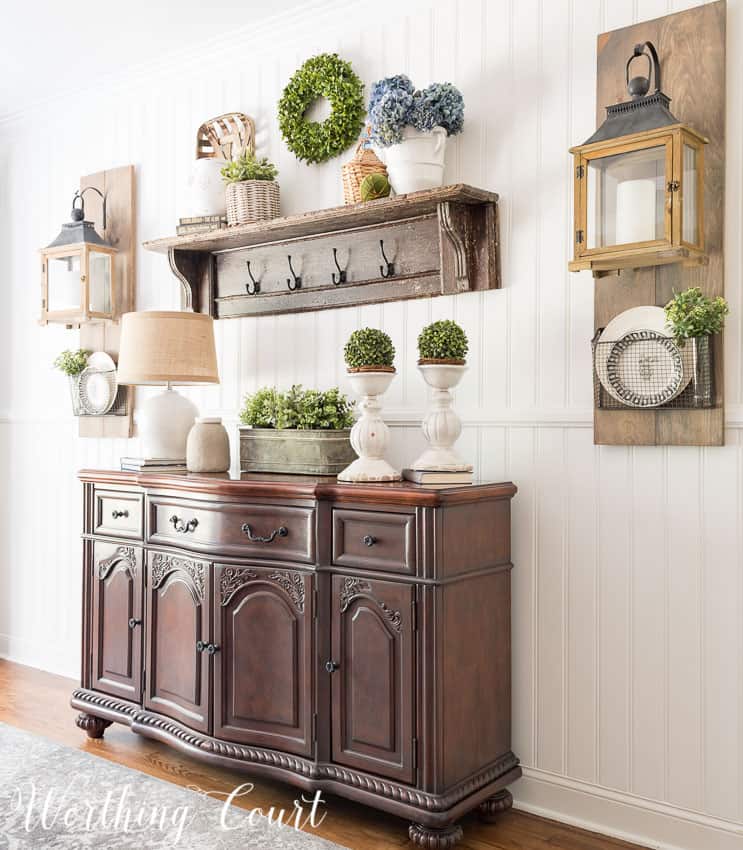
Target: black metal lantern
<point>78,271</point>
<point>638,182</point>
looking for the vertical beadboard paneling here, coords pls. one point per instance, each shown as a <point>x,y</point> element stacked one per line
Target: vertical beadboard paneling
<point>627,587</point>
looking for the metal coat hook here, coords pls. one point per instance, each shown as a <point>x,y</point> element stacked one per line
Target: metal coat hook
<point>297,282</point>
<point>341,272</point>
<point>390,271</point>
<point>256,283</point>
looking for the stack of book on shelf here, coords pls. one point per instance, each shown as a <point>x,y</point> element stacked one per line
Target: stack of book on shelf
<point>152,464</point>
<point>437,478</point>
<point>201,224</point>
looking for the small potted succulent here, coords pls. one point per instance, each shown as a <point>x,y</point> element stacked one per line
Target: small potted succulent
<point>442,349</point>
<point>693,317</point>
<point>252,191</point>
<point>73,364</point>
<point>411,127</point>
<point>370,356</point>
<point>300,431</point>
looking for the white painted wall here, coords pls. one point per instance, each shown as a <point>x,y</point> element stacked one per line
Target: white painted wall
<point>628,586</point>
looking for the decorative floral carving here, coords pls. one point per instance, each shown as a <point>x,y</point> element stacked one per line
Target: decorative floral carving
<point>293,584</point>
<point>353,587</point>
<point>123,554</point>
<point>232,579</point>
<point>162,565</point>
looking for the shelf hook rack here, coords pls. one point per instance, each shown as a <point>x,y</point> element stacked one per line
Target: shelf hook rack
<point>390,270</point>
<point>342,277</point>
<point>256,284</point>
<point>293,282</point>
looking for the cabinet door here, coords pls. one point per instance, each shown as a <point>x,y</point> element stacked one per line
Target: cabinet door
<point>373,683</point>
<point>177,673</point>
<point>117,620</point>
<point>263,670</point>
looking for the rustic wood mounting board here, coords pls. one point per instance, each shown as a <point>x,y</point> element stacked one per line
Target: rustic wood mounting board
<point>440,242</point>
<point>118,185</point>
<point>691,46</point>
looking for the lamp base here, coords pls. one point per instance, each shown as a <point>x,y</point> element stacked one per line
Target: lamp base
<point>164,421</point>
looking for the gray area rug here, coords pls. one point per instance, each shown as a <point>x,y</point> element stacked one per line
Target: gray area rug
<point>60,798</point>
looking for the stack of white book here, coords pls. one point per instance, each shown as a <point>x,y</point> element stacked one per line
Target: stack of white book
<point>437,478</point>
<point>152,464</point>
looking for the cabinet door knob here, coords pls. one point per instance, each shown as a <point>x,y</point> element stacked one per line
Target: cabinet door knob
<point>200,646</point>
<point>331,666</point>
<point>255,538</point>
<point>369,540</point>
<point>133,623</point>
<point>183,527</point>
<point>212,648</point>
<point>119,514</point>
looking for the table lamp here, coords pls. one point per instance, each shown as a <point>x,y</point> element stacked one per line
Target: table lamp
<point>159,348</point>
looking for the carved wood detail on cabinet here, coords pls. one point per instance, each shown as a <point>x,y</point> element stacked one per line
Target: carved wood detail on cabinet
<point>341,678</point>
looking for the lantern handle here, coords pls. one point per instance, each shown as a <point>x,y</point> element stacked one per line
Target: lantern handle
<point>651,54</point>
<point>78,213</point>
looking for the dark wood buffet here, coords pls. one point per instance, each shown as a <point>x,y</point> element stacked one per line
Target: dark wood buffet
<point>343,637</point>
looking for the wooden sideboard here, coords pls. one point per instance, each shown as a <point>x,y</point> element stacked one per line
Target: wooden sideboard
<point>344,637</point>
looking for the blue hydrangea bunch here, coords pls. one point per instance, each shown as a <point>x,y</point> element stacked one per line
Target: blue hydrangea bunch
<point>395,104</point>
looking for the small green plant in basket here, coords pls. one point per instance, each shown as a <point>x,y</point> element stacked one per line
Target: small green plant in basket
<point>248,167</point>
<point>72,363</point>
<point>692,314</point>
<point>369,349</point>
<point>443,341</point>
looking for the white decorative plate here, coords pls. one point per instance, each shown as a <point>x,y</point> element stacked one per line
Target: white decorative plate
<point>644,369</point>
<point>98,384</point>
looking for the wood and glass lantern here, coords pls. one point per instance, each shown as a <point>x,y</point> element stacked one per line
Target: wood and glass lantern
<point>78,274</point>
<point>639,183</point>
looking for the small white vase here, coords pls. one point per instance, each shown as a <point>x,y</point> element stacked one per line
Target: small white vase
<point>370,437</point>
<point>417,162</point>
<point>208,446</point>
<point>442,426</point>
<point>205,194</point>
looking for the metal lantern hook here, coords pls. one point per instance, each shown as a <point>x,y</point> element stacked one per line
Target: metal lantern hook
<point>638,87</point>
<point>78,213</point>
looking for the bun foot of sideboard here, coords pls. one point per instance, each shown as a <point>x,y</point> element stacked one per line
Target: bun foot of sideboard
<point>435,839</point>
<point>93,726</point>
<point>495,805</point>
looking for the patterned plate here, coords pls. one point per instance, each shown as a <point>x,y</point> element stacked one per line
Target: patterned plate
<point>644,369</point>
<point>97,391</point>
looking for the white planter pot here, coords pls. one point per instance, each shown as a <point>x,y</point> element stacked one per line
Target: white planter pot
<point>417,162</point>
<point>442,426</point>
<point>370,437</point>
<point>205,189</point>
<point>208,446</point>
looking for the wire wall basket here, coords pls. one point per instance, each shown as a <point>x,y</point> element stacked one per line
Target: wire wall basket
<point>646,370</point>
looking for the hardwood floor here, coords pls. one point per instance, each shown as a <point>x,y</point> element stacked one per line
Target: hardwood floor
<point>39,703</point>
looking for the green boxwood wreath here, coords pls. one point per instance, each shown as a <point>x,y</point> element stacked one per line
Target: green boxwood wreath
<point>331,77</point>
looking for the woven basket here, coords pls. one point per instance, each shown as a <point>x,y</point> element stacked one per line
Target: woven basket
<point>225,137</point>
<point>252,200</point>
<point>364,162</point>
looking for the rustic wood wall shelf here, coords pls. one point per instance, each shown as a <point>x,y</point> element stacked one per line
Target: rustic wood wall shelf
<point>691,45</point>
<point>437,242</point>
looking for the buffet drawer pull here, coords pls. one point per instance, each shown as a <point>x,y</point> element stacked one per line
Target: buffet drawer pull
<point>119,514</point>
<point>183,527</point>
<point>369,540</point>
<point>255,538</point>
<point>331,666</point>
<point>134,622</point>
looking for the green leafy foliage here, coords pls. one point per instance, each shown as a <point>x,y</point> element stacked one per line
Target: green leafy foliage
<point>324,76</point>
<point>297,409</point>
<point>691,313</point>
<point>369,347</point>
<point>443,340</point>
<point>72,362</point>
<point>374,186</point>
<point>248,167</point>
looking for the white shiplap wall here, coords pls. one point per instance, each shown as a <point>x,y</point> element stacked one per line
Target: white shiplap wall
<point>628,586</point>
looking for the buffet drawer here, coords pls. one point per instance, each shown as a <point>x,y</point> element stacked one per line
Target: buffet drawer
<point>372,540</point>
<point>283,532</point>
<point>118,514</point>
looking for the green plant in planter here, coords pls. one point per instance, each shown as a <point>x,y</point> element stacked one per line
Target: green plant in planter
<point>691,314</point>
<point>298,409</point>
<point>443,340</point>
<point>369,349</point>
<point>72,363</point>
<point>248,167</point>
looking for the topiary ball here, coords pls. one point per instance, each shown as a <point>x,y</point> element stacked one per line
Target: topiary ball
<point>374,186</point>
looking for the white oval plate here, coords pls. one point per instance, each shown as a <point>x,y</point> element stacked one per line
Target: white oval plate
<point>98,384</point>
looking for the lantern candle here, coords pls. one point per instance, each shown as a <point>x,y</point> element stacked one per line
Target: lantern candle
<point>635,211</point>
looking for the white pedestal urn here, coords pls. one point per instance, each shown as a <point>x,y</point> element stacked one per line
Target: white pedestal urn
<point>442,426</point>
<point>370,437</point>
<point>417,162</point>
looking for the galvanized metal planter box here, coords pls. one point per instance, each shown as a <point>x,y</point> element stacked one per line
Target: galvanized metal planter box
<point>294,451</point>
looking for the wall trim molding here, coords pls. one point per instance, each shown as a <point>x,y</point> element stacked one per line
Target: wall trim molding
<point>40,656</point>
<point>629,817</point>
